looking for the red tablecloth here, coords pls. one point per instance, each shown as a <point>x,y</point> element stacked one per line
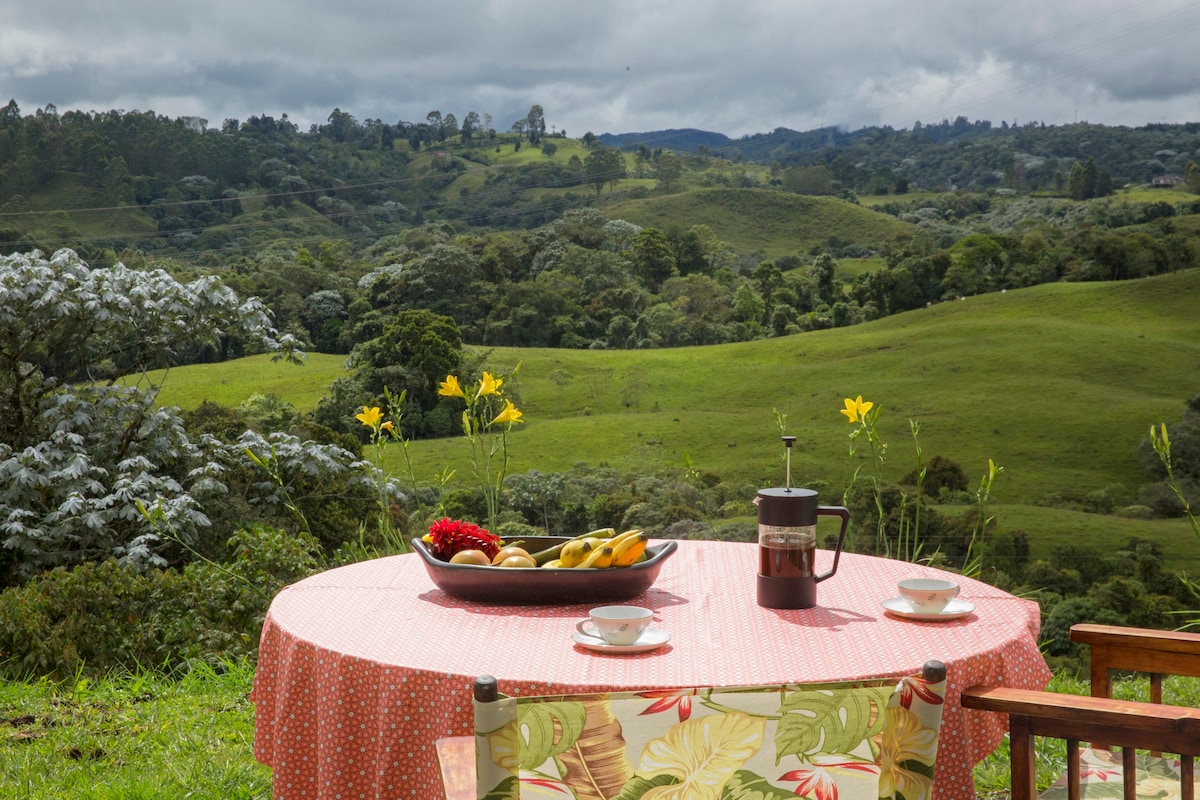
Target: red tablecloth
<point>362,668</point>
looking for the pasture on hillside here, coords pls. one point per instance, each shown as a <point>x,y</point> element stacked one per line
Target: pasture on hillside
<point>755,220</point>
<point>1057,384</point>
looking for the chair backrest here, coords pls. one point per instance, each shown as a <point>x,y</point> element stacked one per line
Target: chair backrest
<point>1157,653</point>
<point>870,739</point>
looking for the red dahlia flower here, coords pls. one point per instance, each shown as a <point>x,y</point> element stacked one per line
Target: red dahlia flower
<point>446,537</point>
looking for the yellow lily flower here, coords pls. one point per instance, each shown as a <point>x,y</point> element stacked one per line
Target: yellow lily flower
<point>369,416</point>
<point>387,426</point>
<point>450,387</point>
<point>856,410</point>
<point>489,385</point>
<point>510,413</point>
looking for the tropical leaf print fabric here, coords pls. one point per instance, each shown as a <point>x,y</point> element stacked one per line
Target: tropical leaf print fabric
<point>1101,777</point>
<point>866,740</point>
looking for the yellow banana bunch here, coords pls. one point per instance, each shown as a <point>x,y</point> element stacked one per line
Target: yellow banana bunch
<point>574,552</point>
<point>629,549</point>
<point>618,550</point>
<point>600,558</point>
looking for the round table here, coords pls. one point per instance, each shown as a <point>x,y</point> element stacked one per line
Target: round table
<point>362,668</point>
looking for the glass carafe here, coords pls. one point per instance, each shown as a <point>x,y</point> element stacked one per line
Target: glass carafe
<point>787,546</point>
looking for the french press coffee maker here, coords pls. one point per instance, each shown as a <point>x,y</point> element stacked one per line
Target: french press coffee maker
<point>787,542</point>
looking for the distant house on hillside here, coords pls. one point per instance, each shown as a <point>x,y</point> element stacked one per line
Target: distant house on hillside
<point>1166,180</point>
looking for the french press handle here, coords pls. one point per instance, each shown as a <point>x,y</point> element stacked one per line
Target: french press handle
<point>834,511</point>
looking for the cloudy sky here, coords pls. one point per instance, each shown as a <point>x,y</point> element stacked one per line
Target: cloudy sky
<point>733,66</point>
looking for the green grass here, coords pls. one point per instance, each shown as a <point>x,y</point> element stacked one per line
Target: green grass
<point>302,386</point>
<point>74,191</point>
<point>760,220</point>
<point>1050,528</point>
<point>132,737</point>
<point>1147,194</point>
<point>1057,384</point>
<point>872,200</point>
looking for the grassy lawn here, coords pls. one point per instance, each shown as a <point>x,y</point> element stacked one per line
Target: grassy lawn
<point>132,738</point>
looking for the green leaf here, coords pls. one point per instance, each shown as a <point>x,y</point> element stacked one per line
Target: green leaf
<point>917,768</point>
<point>829,720</point>
<point>508,789</point>
<point>536,726</point>
<point>637,786</point>
<point>746,785</point>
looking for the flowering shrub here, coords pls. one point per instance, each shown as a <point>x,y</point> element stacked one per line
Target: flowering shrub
<point>486,428</point>
<point>906,543</point>
<point>372,417</point>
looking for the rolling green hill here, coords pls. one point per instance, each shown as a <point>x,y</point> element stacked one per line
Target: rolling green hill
<point>759,220</point>
<point>1056,383</point>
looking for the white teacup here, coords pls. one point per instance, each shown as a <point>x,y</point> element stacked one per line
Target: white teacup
<point>928,595</point>
<point>616,625</point>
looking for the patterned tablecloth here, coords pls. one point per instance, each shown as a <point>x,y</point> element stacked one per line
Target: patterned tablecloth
<point>362,668</point>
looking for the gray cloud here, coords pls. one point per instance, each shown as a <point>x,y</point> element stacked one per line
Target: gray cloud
<point>613,65</point>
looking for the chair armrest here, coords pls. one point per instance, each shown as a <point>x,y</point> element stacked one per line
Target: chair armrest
<point>1148,726</point>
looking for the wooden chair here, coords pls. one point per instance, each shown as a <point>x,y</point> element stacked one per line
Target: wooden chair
<point>869,739</point>
<point>1104,723</point>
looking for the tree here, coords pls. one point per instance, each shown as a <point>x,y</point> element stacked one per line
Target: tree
<point>812,180</point>
<point>979,265</point>
<point>1075,182</point>
<point>77,455</point>
<point>1191,177</point>
<point>652,257</point>
<point>668,168</point>
<point>748,306</point>
<point>325,311</point>
<point>603,165</point>
<point>415,351</point>
<point>1014,174</point>
<point>1088,180</point>
<point>768,278</point>
<point>470,127</point>
<point>535,124</point>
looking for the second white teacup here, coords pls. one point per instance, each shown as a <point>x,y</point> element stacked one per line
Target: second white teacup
<point>928,595</point>
<point>616,625</point>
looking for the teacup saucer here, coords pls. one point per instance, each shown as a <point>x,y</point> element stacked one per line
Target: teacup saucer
<point>954,609</point>
<point>652,639</point>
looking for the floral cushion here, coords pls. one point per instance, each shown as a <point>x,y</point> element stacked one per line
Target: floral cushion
<point>1101,776</point>
<point>830,742</point>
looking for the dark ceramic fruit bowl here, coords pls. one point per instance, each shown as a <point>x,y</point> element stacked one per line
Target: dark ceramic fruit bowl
<point>534,586</point>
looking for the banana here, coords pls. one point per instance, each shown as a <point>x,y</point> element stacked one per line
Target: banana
<point>600,558</point>
<point>553,564</point>
<point>575,551</point>
<point>603,533</point>
<point>621,537</point>
<point>596,542</point>
<point>629,549</point>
